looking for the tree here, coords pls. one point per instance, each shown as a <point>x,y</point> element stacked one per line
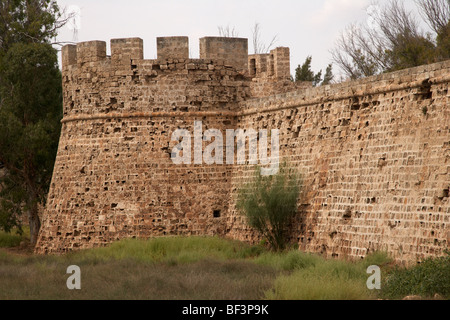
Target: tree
<point>394,41</point>
<point>352,56</point>
<point>328,77</point>
<point>269,203</point>
<point>30,108</point>
<point>29,21</point>
<point>443,43</point>
<point>30,116</point>
<point>410,51</point>
<point>259,46</point>
<point>227,32</point>
<point>435,13</point>
<point>304,73</point>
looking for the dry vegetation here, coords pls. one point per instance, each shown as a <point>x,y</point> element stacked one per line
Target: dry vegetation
<point>202,268</point>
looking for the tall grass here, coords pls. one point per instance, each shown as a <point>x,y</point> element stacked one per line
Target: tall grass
<point>212,268</point>
<point>13,238</point>
<point>172,250</point>
<point>316,278</point>
<point>430,277</point>
<point>165,268</point>
<point>288,261</point>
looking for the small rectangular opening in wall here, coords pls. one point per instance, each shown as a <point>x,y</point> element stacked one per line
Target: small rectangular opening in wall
<point>216,213</point>
<point>272,65</point>
<point>252,67</point>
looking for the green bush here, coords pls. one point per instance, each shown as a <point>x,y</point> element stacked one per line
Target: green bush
<point>269,203</point>
<point>14,237</point>
<point>316,278</point>
<point>426,279</point>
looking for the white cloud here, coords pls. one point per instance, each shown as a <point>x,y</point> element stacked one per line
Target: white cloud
<point>338,10</point>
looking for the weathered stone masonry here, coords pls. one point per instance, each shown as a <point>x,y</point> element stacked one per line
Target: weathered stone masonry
<point>374,153</point>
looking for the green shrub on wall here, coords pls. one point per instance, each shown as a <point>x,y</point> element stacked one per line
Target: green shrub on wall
<point>270,202</point>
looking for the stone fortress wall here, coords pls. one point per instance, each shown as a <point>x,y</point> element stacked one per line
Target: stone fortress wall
<point>374,153</point>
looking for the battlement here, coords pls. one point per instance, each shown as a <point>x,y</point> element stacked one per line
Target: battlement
<point>172,48</point>
<point>125,50</point>
<point>90,51</point>
<point>231,52</point>
<point>275,64</point>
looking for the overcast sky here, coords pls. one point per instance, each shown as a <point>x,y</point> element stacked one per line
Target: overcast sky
<point>306,27</point>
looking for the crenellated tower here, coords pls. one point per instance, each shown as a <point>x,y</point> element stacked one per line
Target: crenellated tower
<point>374,153</point>
<point>113,175</point>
